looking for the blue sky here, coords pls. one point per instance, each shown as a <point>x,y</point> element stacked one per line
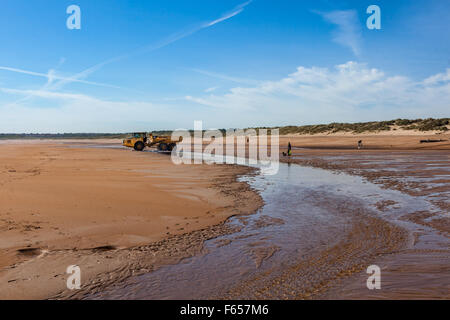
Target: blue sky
<point>144,65</point>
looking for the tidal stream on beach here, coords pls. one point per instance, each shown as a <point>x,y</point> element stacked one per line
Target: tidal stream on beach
<point>315,236</point>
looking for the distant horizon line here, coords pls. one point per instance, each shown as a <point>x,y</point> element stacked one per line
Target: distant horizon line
<point>224,129</point>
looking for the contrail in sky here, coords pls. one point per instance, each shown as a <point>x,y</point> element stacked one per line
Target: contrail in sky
<point>51,76</point>
<point>55,82</point>
<point>171,39</point>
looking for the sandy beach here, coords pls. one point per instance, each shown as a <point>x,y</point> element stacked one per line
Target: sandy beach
<point>63,205</point>
<point>120,214</point>
<point>390,140</point>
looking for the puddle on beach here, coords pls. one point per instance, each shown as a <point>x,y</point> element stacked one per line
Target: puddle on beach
<point>307,212</point>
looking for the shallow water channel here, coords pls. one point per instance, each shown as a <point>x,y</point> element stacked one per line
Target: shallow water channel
<point>305,213</point>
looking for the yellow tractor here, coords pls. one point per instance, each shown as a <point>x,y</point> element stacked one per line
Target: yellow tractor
<point>140,140</point>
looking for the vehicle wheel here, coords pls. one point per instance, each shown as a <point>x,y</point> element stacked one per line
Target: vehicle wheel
<point>172,146</point>
<point>163,147</point>
<point>139,146</point>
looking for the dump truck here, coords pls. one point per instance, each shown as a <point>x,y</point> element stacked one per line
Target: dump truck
<point>139,140</point>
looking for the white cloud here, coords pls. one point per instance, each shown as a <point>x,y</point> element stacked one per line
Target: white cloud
<point>225,77</point>
<point>348,31</point>
<point>81,113</point>
<point>46,94</point>
<point>346,93</point>
<point>208,90</point>
<point>438,78</point>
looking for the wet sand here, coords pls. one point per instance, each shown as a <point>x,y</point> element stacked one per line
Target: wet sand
<point>339,234</point>
<point>63,203</point>
<point>417,173</point>
<point>317,234</point>
<point>313,239</point>
<point>421,270</point>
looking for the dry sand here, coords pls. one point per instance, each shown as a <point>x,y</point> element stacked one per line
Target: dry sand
<point>63,205</point>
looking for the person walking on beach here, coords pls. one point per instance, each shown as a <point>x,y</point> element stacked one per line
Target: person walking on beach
<point>289,149</point>
<point>359,144</point>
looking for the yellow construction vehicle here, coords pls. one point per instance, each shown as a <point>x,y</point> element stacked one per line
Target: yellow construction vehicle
<point>140,140</point>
